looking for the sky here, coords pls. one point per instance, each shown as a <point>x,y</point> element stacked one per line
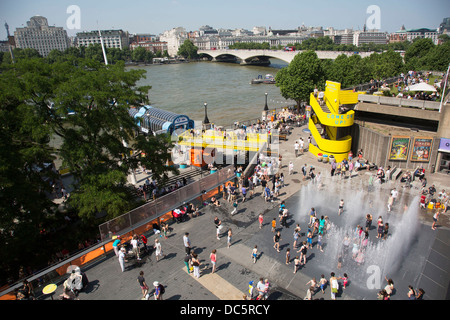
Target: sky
<point>157,16</point>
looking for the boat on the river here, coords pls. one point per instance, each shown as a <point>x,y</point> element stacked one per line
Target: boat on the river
<point>268,79</point>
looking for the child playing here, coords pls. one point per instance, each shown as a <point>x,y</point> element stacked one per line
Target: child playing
<point>288,256</point>
<point>345,278</point>
<point>255,253</point>
<point>322,283</point>
<point>319,242</point>
<point>235,205</point>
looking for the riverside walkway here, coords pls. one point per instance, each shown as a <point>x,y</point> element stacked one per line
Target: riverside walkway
<point>422,267</point>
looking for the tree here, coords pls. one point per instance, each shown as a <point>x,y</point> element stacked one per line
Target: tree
<point>139,54</point>
<point>299,79</point>
<point>25,210</point>
<point>89,113</point>
<point>416,52</point>
<point>438,58</point>
<point>188,50</point>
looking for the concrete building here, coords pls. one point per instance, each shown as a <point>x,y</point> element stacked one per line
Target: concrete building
<point>111,38</point>
<point>40,36</point>
<point>444,27</point>
<point>411,34</point>
<point>149,42</point>
<point>174,39</point>
<point>370,36</point>
<point>153,46</point>
<point>344,36</point>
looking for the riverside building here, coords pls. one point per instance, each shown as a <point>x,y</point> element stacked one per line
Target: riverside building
<point>40,36</point>
<point>111,38</point>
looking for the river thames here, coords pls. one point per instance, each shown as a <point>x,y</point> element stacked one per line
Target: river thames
<point>183,88</point>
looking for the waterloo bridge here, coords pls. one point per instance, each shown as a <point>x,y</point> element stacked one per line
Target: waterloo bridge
<point>261,57</point>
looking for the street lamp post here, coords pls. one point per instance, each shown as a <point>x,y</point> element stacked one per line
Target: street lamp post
<point>266,108</point>
<point>206,120</point>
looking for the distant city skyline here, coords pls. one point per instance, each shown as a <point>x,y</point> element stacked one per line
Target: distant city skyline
<point>155,17</point>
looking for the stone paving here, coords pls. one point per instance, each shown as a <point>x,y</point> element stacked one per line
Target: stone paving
<point>234,264</point>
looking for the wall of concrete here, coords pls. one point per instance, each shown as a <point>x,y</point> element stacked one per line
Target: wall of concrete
<point>376,147</point>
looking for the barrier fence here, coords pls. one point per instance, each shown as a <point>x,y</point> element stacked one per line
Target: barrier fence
<point>136,221</point>
<point>164,204</point>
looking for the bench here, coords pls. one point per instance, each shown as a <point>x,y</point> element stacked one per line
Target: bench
<point>282,137</point>
<point>398,174</point>
<point>391,174</point>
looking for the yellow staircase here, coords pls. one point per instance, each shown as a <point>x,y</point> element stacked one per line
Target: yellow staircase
<point>327,119</point>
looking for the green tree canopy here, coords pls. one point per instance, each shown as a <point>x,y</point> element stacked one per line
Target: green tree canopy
<point>299,79</point>
<point>188,50</point>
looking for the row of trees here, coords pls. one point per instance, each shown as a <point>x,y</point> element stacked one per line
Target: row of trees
<point>420,54</point>
<point>84,104</point>
<point>93,52</point>
<point>306,70</point>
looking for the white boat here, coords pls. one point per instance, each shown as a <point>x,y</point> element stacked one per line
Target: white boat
<point>268,79</point>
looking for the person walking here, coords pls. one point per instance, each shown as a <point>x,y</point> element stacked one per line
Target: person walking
<point>213,258</point>
<point>341,206</point>
<point>334,286</point>
<point>288,256</point>
<point>291,167</point>
<point>260,220</point>
<point>274,224</point>
<point>389,288</point>
<point>322,283</point>
<point>297,264</point>
<point>218,224</point>
<point>411,293</point>
<point>196,265</point>
<point>187,243</point>
<point>122,259</point>
<point>255,253</point>
<point>296,148</point>
<point>229,236</point>
<point>319,242</point>
<point>235,206</point>
<point>303,250</point>
<point>187,262</point>
<point>158,250</point>
<point>368,221</point>
<point>159,290</point>
<point>143,285</point>
<point>116,246</point>
<point>435,219</point>
<point>390,203</point>
<point>380,227</point>
<point>304,171</point>
<point>135,244</point>
<point>276,240</point>
<point>296,236</point>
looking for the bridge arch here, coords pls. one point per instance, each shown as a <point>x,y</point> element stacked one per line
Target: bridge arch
<point>248,56</point>
<point>286,56</point>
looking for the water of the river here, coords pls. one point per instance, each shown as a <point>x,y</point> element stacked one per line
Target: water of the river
<point>184,88</point>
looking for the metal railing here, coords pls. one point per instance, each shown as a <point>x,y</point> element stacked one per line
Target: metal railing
<point>164,204</point>
<point>121,225</point>
<point>399,102</point>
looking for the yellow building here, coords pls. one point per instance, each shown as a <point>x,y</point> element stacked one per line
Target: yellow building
<point>327,121</point>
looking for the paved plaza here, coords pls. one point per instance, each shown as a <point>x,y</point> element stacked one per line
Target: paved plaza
<point>419,257</point>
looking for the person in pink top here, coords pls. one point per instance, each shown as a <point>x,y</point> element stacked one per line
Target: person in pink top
<point>213,257</point>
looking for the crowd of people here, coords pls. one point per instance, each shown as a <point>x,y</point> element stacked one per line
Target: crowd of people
<point>268,179</point>
<point>405,81</point>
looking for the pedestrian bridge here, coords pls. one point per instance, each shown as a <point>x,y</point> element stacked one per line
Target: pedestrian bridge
<point>252,56</point>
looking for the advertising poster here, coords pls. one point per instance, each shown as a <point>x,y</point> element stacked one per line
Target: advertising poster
<point>399,148</point>
<point>421,149</point>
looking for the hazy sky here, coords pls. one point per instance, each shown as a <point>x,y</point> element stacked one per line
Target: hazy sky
<point>156,16</point>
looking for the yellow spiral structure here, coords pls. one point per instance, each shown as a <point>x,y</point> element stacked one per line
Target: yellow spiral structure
<point>327,119</point>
